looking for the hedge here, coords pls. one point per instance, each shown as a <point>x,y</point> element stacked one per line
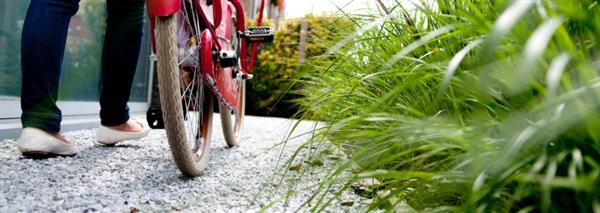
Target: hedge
<point>273,91</point>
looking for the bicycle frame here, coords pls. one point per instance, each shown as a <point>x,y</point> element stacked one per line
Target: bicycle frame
<point>222,81</point>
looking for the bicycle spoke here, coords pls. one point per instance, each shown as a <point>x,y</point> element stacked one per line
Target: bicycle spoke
<point>188,31</point>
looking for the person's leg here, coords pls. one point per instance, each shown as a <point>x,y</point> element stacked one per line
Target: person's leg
<point>42,48</point>
<point>119,58</point>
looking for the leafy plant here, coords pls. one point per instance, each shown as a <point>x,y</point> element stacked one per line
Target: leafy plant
<point>273,91</point>
<point>466,105</point>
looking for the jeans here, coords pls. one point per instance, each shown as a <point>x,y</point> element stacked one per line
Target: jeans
<point>42,49</point>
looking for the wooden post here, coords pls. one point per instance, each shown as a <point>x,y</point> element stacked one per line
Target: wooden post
<point>302,44</point>
<point>249,8</point>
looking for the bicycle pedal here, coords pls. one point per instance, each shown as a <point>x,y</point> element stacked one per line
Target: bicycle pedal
<point>262,34</point>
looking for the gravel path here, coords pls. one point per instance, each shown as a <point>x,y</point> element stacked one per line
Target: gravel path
<point>140,175</point>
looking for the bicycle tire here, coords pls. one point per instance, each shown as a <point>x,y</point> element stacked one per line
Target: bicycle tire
<point>232,131</point>
<point>187,158</point>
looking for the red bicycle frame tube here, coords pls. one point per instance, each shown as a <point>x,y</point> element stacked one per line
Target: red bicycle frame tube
<point>240,25</point>
<point>250,64</point>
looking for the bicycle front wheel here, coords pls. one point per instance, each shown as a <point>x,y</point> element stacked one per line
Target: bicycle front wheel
<point>187,104</point>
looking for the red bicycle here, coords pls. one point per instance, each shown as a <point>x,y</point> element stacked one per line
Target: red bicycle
<point>201,54</point>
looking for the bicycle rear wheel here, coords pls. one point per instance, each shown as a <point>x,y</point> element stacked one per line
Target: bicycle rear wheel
<point>231,121</point>
<point>186,103</point>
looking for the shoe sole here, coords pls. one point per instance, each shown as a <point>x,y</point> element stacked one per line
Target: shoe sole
<point>43,155</point>
<point>107,144</point>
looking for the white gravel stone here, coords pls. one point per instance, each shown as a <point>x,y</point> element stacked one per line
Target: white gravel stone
<point>141,174</point>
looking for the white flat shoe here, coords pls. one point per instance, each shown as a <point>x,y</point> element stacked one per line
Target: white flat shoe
<point>109,136</point>
<point>36,142</point>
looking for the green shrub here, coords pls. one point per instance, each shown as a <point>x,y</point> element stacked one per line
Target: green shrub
<point>468,105</point>
<point>273,90</point>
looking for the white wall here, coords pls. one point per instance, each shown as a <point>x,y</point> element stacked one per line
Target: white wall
<point>299,8</point>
